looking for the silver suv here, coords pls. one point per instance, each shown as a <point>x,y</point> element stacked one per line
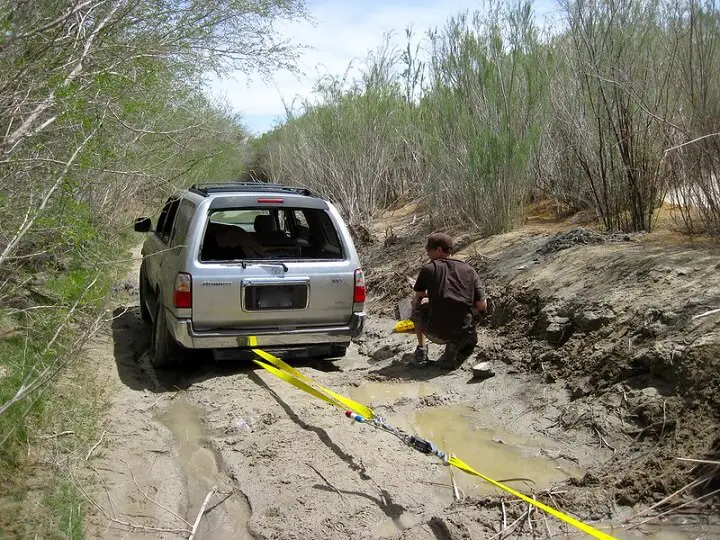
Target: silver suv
<point>241,265</point>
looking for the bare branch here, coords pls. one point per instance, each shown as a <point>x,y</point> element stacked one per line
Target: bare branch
<point>28,223</point>
<point>26,128</point>
<point>693,141</point>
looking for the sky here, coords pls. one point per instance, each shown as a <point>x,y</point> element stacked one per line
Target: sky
<point>342,31</point>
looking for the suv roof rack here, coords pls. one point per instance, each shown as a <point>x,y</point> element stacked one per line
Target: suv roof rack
<point>231,187</point>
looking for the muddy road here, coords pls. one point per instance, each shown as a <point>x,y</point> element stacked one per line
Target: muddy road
<point>257,458</point>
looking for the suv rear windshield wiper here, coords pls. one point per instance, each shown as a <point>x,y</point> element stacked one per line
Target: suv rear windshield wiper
<point>244,263</point>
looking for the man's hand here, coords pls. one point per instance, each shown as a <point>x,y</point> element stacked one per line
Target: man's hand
<point>417,299</point>
<point>480,305</point>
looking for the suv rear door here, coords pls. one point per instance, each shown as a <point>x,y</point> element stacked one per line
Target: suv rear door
<point>305,277</point>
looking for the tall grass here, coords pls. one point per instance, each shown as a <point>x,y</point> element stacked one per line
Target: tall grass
<point>608,111</point>
<point>352,145</point>
<point>480,116</point>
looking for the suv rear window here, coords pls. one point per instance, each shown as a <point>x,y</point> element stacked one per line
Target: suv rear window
<point>270,233</point>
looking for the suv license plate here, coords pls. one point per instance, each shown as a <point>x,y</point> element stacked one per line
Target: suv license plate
<point>275,297</point>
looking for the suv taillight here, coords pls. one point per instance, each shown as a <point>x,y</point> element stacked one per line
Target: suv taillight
<point>359,290</point>
<point>182,294</point>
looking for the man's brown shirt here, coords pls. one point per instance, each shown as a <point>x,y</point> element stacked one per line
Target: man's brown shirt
<point>453,287</point>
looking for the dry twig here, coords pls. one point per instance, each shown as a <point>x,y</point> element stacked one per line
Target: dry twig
<point>94,446</point>
<point>153,500</point>
<point>509,529</point>
<point>336,490</point>
<point>202,511</point>
<point>705,461</point>
<point>674,509</point>
<point>666,499</point>
<point>129,525</point>
<point>56,435</point>
<point>602,439</point>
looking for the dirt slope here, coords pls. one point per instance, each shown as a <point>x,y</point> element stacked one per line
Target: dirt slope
<point>602,378</point>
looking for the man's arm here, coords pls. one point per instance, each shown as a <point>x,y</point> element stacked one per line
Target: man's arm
<point>480,300</point>
<point>420,286</point>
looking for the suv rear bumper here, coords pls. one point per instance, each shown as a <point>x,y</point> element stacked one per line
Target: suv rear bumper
<point>184,333</point>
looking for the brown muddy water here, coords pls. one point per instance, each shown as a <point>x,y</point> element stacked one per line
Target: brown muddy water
<point>501,455</point>
<point>228,511</point>
<point>457,429</point>
<point>374,393</point>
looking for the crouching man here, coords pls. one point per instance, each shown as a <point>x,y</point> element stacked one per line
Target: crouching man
<point>454,297</point>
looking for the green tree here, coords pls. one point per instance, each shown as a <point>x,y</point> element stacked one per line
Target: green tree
<point>102,110</point>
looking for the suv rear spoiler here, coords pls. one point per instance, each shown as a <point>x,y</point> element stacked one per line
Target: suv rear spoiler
<point>247,187</point>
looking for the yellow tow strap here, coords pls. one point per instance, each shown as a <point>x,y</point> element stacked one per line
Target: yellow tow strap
<point>299,380</point>
<point>460,464</point>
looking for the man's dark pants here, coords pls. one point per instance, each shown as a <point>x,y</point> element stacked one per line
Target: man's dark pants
<point>458,348</point>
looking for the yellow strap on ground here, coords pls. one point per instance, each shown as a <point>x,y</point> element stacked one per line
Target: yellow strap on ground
<point>287,373</point>
<point>278,363</point>
<point>296,383</point>
<point>293,376</point>
<point>460,464</point>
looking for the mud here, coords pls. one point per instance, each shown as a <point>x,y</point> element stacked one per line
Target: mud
<point>202,469</point>
<point>602,379</point>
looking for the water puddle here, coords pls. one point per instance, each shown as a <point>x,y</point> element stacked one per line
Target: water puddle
<point>384,393</point>
<point>228,512</point>
<point>497,454</point>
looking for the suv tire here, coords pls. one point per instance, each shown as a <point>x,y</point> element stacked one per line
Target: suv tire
<point>144,311</point>
<point>164,350</point>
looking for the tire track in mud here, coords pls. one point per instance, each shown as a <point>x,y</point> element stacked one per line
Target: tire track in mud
<point>203,468</point>
<point>158,461</point>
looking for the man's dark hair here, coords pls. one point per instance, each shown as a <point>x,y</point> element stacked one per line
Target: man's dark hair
<point>440,240</point>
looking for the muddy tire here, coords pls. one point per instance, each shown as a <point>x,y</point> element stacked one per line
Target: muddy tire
<point>165,352</point>
<point>144,311</point>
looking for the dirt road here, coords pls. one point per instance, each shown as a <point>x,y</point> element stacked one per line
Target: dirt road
<point>266,460</point>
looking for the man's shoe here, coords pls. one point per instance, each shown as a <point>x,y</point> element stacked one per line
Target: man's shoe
<point>449,359</point>
<point>420,356</point>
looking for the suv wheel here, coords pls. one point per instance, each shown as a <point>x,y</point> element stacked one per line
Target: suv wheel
<point>144,311</point>
<point>164,350</point>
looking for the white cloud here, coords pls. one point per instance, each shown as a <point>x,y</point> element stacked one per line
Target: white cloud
<point>344,31</point>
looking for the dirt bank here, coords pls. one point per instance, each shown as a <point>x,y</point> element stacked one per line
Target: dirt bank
<point>602,379</point>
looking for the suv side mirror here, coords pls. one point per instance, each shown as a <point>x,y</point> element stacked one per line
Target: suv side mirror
<point>143,224</point>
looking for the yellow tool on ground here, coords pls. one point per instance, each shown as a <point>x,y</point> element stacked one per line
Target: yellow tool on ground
<point>404,327</point>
